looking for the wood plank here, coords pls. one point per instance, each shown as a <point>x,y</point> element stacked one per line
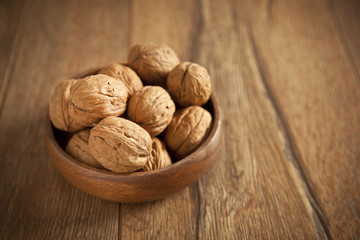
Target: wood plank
<point>60,38</point>
<point>286,79</point>
<point>310,77</point>
<point>253,191</point>
<point>346,15</point>
<point>10,33</point>
<point>173,217</point>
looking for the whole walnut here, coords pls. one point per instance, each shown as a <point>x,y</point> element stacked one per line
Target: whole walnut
<point>59,107</point>
<point>96,97</point>
<point>159,158</point>
<point>125,74</point>
<point>188,128</point>
<point>152,62</point>
<point>152,108</point>
<point>120,145</point>
<point>78,148</point>
<point>189,84</point>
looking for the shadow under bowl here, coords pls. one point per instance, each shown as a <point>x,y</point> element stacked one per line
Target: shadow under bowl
<point>136,186</point>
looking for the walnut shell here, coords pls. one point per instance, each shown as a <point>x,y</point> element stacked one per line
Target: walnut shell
<point>159,158</point>
<point>152,62</point>
<point>59,107</point>
<point>78,148</point>
<point>125,74</point>
<point>120,145</point>
<point>152,108</point>
<point>188,128</point>
<point>189,84</point>
<point>96,97</point>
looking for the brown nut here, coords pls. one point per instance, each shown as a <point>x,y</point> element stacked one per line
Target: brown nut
<point>160,157</point>
<point>125,74</point>
<point>120,145</point>
<point>59,107</point>
<point>188,128</point>
<point>189,84</point>
<point>96,97</point>
<point>152,108</point>
<point>152,62</point>
<point>78,148</point>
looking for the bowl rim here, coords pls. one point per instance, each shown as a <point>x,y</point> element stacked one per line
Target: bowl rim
<point>194,157</point>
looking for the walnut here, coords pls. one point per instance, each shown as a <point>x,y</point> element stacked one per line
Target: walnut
<point>59,107</point>
<point>96,97</point>
<point>120,145</point>
<point>188,128</point>
<point>76,104</point>
<point>159,158</point>
<point>189,84</point>
<point>125,74</point>
<point>152,108</point>
<point>78,148</point>
<point>152,62</point>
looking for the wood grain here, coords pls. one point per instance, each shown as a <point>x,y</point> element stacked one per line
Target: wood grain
<point>165,219</point>
<point>311,78</point>
<point>170,218</point>
<point>286,74</point>
<point>346,18</point>
<point>11,14</point>
<point>59,39</point>
<point>249,190</point>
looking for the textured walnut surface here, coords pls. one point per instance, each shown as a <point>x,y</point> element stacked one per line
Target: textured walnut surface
<point>125,74</point>
<point>152,62</point>
<point>76,104</point>
<point>152,108</point>
<point>188,128</point>
<point>59,107</point>
<point>189,84</point>
<point>78,148</point>
<point>96,97</point>
<point>160,157</point>
<point>120,145</point>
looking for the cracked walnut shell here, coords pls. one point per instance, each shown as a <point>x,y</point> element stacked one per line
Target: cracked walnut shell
<point>125,74</point>
<point>189,84</point>
<point>188,128</point>
<point>96,97</point>
<point>152,108</point>
<point>120,145</point>
<point>152,62</point>
<point>78,148</point>
<point>159,158</point>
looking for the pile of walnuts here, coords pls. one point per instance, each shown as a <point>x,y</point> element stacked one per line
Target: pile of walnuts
<point>123,126</point>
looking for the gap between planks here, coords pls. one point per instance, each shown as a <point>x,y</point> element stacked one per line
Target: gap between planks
<point>198,17</point>
<point>129,43</point>
<point>291,151</point>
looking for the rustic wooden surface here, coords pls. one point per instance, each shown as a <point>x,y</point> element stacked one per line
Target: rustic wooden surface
<point>286,73</point>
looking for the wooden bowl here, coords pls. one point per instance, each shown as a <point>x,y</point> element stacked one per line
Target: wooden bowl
<point>137,186</point>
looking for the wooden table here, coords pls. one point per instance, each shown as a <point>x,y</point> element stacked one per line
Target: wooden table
<point>287,77</point>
